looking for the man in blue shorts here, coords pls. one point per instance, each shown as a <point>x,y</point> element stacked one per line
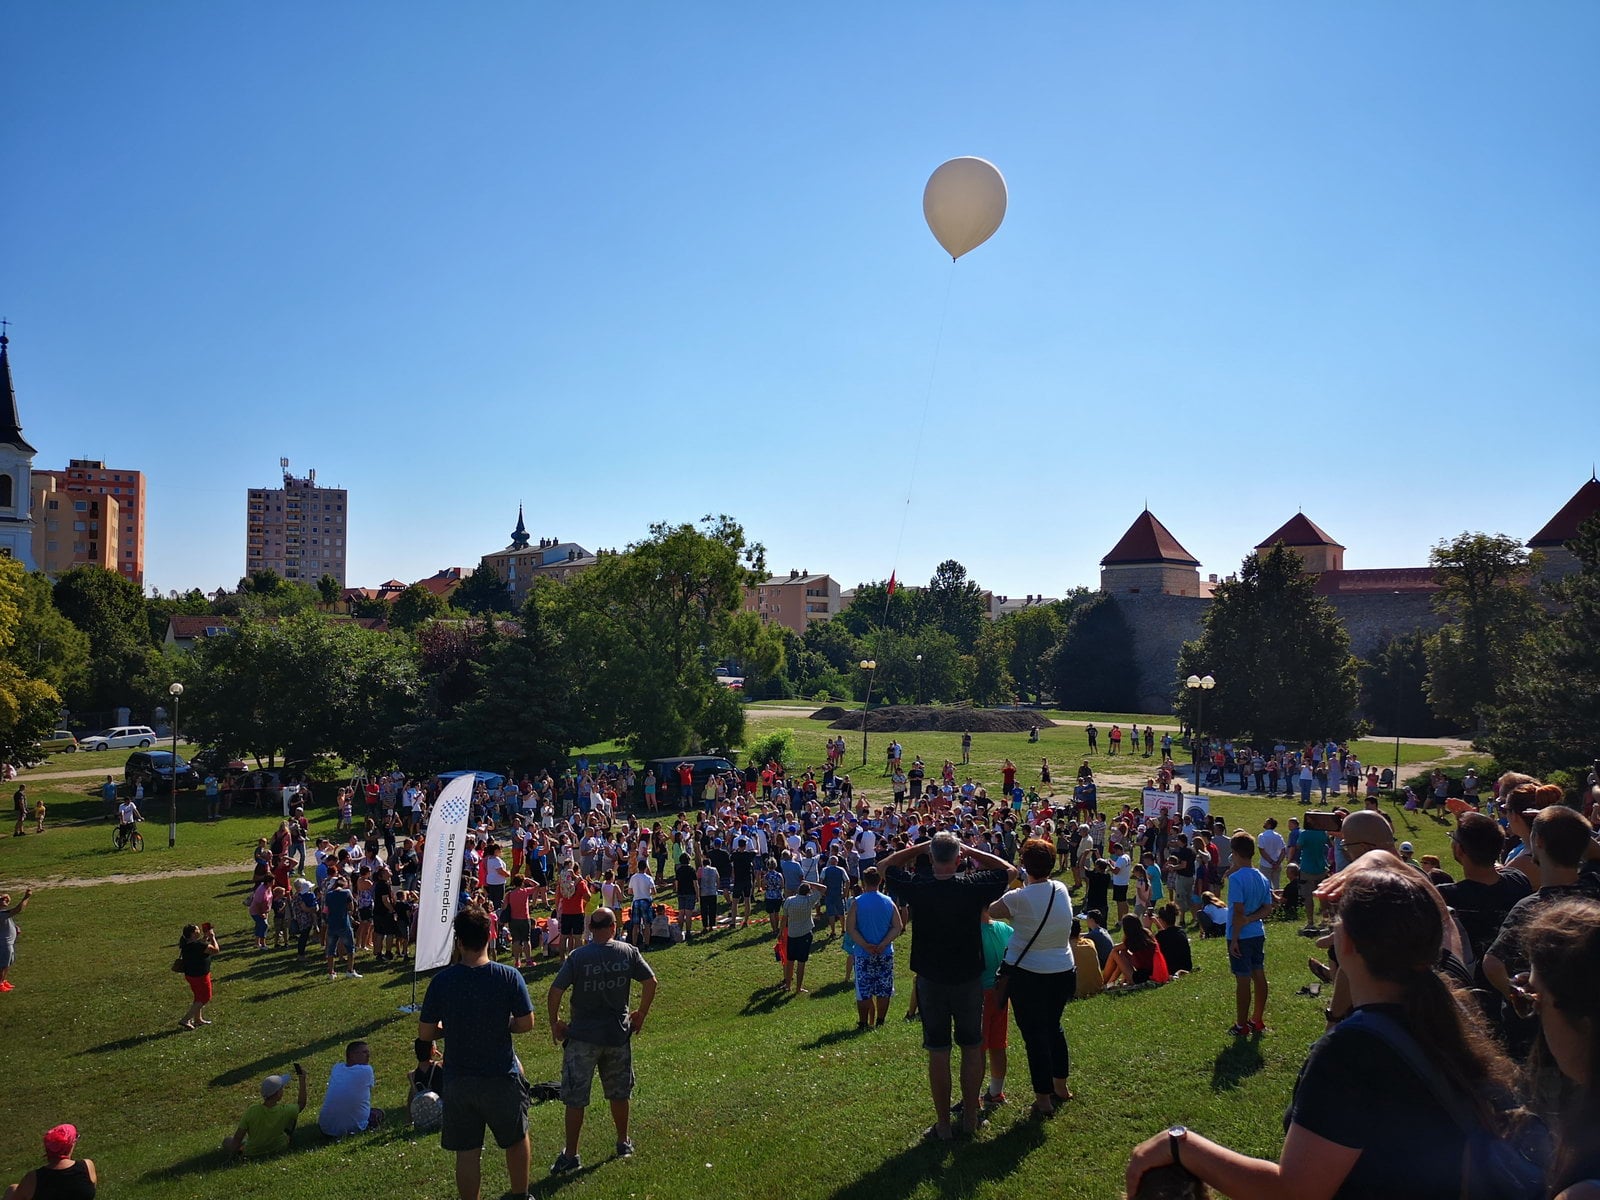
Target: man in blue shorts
<point>1249,902</point>
<point>477,1005</point>
<point>872,924</point>
<point>337,904</point>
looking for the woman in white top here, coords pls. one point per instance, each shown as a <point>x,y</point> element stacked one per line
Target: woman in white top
<point>1040,966</point>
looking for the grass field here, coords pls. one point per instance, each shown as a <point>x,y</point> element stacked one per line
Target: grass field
<point>741,1091</point>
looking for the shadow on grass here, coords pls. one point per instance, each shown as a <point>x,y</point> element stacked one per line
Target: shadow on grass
<point>834,1037</point>
<point>305,1138</point>
<point>131,1042</point>
<point>834,988</point>
<point>764,1000</point>
<point>956,1168</point>
<point>278,1058</point>
<point>551,1184</point>
<point>1237,1063</point>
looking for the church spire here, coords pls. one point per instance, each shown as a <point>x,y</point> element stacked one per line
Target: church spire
<point>10,427</point>
<point>519,535</point>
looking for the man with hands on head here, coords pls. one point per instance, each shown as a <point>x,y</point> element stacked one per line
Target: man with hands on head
<point>947,959</point>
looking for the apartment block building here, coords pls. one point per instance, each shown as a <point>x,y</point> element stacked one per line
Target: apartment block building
<point>111,497</point>
<point>795,600</point>
<point>299,530</point>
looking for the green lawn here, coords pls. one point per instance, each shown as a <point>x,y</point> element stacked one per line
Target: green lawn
<point>741,1092</point>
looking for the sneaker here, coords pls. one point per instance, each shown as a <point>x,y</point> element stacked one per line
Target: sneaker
<point>331,977</point>
<point>625,1148</point>
<point>1258,1027</point>
<point>6,986</point>
<point>565,1164</point>
<point>993,1099</point>
<point>1240,1030</point>
<point>352,974</point>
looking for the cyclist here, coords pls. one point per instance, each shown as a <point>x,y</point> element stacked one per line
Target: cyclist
<point>127,815</point>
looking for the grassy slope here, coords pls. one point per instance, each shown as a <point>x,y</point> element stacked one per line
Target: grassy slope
<point>741,1092</point>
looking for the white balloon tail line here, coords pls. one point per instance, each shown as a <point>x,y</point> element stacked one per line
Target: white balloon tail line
<point>927,403</point>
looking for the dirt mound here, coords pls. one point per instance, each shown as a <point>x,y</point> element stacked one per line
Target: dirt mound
<point>912,718</point>
<point>829,712</point>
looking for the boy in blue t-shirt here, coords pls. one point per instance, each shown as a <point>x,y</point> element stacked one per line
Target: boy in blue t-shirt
<point>1249,901</point>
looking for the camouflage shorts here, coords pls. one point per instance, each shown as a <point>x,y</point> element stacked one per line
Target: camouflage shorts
<point>578,1065</point>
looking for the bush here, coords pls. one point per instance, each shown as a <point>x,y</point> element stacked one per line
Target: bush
<point>778,747</point>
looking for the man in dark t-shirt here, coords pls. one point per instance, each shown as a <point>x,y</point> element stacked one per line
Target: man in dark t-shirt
<point>477,1005</point>
<point>947,958</point>
<point>599,1036</point>
<point>1486,894</point>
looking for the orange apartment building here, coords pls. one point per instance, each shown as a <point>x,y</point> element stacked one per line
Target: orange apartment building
<point>794,601</point>
<point>90,513</point>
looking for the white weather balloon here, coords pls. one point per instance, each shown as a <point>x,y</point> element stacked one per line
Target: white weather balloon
<point>964,203</point>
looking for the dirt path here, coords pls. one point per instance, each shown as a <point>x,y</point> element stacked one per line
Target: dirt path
<point>69,881</point>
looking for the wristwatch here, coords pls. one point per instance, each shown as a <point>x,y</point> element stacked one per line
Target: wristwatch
<point>1175,1137</point>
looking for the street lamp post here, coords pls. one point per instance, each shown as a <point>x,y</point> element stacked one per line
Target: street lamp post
<point>175,691</point>
<point>1200,685</point>
<point>919,679</point>
<point>870,666</point>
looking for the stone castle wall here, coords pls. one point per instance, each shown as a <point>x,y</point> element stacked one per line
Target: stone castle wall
<point>1161,624</point>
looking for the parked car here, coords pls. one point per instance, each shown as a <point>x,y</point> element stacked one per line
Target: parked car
<point>155,769</point>
<point>666,769</point>
<point>59,742</point>
<point>118,737</point>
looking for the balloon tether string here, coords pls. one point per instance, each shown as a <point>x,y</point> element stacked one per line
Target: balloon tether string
<point>922,428</point>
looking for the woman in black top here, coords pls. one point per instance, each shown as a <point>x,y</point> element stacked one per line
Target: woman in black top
<point>1174,942</point>
<point>195,949</point>
<point>1563,945</point>
<point>1363,1123</point>
<point>62,1177</point>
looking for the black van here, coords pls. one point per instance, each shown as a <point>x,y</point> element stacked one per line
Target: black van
<point>666,769</point>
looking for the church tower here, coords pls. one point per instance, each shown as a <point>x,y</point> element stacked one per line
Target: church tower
<point>16,470</point>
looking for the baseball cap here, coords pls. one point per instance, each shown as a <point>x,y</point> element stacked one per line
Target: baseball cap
<point>273,1084</point>
<point>1407,847</point>
<point>58,1142</point>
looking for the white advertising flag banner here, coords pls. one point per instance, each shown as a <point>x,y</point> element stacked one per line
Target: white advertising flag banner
<point>442,855</point>
<point>1196,808</point>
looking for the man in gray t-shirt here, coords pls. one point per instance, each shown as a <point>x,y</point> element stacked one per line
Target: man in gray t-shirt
<point>796,924</point>
<point>599,1036</point>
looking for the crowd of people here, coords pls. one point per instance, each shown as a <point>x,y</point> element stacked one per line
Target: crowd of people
<point>1016,904</point>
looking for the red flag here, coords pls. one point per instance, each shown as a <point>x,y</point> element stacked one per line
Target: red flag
<point>891,583</point>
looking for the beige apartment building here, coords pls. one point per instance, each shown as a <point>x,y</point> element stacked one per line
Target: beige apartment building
<point>74,528</point>
<point>795,600</point>
<point>113,498</point>
<point>299,530</point>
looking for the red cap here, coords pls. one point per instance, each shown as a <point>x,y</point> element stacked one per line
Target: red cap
<point>58,1142</point>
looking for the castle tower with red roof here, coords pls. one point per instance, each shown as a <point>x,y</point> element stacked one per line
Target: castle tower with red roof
<point>1563,527</point>
<point>1307,539</point>
<point>1148,559</point>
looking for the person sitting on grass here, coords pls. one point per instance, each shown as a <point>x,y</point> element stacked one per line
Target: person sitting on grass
<point>268,1127</point>
<point>347,1103</point>
<point>1174,942</point>
<point>62,1175</point>
<point>1137,959</point>
<point>1213,916</point>
<point>1099,936</point>
<point>1086,962</point>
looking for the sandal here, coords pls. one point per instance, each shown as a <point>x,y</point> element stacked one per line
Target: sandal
<point>185,1024</point>
<point>932,1134</point>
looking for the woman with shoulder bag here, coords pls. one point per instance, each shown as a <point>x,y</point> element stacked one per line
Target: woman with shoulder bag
<point>1038,972</point>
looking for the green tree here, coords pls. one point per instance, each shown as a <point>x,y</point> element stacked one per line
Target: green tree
<point>1492,613</point>
<point>370,607</point>
<point>414,606</point>
<point>832,641</point>
<point>875,608</point>
<point>992,679</point>
<point>159,611</point>
<point>1550,700</point>
<point>1279,653</point>
<point>329,590</point>
<point>1032,633</point>
<point>757,647</point>
<point>649,624</point>
<point>28,705</point>
<point>110,610</point>
<point>1092,668</point>
<point>1394,694</point>
<point>942,673</point>
<point>526,712</point>
<point>481,593</point>
<point>953,603</point>
<point>43,642</point>
<point>302,686</point>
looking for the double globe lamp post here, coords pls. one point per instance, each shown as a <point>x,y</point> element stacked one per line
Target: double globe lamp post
<point>1200,685</point>
<point>175,691</point>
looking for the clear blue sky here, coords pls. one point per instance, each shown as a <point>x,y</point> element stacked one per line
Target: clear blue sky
<point>636,262</point>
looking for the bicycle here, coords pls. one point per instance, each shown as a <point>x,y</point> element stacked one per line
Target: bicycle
<point>120,838</point>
